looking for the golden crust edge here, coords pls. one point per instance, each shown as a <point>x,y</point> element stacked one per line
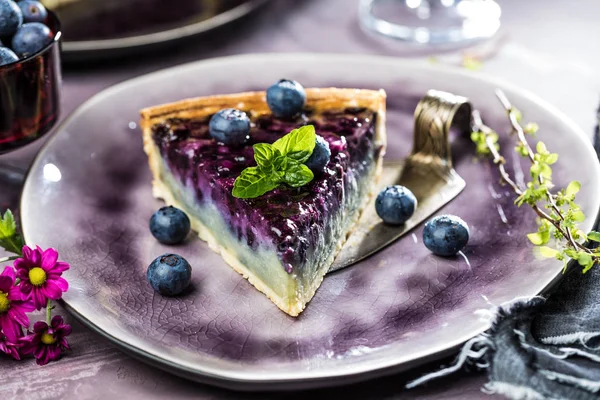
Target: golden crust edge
<point>203,106</point>
<point>317,98</point>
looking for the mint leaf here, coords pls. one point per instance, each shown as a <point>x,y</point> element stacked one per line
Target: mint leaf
<point>253,183</point>
<point>297,174</point>
<point>10,239</point>
<point>264,154</point>
<point>281,162</point>
<point>298,144</point>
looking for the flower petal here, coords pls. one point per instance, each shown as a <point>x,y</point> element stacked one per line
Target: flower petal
<point>59,268</point>
<point>11,329</point>
<point>18,316</point>
<point>61,283</point>
<point>27,252</point>
<point>9,272</point>
<point>57,321</point>
<point>52,291</point>
<point>49,258</point>
<point>5,284</point>
<point>36,258</point>
<point>40,327</point>
<point>39,299</point>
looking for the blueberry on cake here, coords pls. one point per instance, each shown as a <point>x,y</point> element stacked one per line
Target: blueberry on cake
<point>273,181</point>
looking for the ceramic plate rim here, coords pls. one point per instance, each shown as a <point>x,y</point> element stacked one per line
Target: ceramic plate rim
<point>249,379</point>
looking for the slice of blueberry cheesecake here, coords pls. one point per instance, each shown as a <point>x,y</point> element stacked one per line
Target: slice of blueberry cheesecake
<point>274,181</point>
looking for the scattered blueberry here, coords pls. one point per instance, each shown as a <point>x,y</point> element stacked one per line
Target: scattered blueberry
<point>31,38</point>
<point>169,274</point>
<point>320,156</point>
<point>395,204</point>
<point>286,98</point>
<point>230,126</point>
<point>11,17</point>
<point>7,56</point>
<point>446,235</point>
<point>33,11</point>
<point>170,225</point>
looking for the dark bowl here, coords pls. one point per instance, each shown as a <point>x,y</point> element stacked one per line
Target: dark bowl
<point>30,94</point>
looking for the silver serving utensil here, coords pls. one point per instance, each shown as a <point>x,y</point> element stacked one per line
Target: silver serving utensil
<point>427,172</point>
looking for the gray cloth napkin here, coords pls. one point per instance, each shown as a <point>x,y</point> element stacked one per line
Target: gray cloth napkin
<point>542,348</point>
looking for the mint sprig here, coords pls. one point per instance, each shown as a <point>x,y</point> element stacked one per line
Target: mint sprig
<point>10,240</point>
<point>279,163</point>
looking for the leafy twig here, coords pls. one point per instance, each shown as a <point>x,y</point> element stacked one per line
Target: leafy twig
<point>559,215</point>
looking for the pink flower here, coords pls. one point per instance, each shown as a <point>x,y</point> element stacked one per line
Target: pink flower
<point>13,306</point>
<point>47,342</point>
<point>9,347</point>
<point>40,275</point>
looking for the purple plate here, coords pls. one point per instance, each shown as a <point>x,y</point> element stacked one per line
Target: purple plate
<point>88,194</point>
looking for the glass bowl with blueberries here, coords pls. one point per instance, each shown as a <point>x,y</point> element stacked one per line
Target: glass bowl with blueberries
<point>30,74</point>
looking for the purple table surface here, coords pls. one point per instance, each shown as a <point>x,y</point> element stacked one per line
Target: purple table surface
<point>545,47</point>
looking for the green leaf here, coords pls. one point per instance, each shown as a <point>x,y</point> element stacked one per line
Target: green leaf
<point>573,188</point>
<point>264,154</point>
<point>551,158</point>
<point>297,174</point>
<point>10,239</point>
<point>578,216</point>
<point>298,144</point>
<point>531,128</point>
<point>536,238</point>
<point>584,259</point>
<point>594,236</point>
<point>541,148</point>
<point>253,183</point>
<point>548,252</point>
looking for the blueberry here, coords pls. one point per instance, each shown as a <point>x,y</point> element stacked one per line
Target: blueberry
<point>395,204</point>
<point>230,126</point>
<point>169,274</point>
<point>7,56</point>
<point>11,17</point>
<point>320,156</point>
<point>286,98</point>
<point>31,38</point>
<point>170,225</point>
<point>446,235</point>
<point>33,11</point>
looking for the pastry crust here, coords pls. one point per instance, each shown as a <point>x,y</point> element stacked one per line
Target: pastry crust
<point>202,107</point>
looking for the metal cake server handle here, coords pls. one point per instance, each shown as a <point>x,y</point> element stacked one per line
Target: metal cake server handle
<point>427,172</point>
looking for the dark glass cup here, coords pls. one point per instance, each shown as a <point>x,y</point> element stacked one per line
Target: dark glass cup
<point>30,94</point>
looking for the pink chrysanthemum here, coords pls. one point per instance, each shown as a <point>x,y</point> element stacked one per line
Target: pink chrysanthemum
<point>13,306</point>
<point>46,343</point>
<point>9,347</point>
<point>40,273</point>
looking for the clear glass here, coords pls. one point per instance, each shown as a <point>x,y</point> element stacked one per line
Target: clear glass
<point>29,100</point>
<point>435,22</point>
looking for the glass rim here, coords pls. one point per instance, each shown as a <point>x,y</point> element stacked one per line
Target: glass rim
<point>57,38</point>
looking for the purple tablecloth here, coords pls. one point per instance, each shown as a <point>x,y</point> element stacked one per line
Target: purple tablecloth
<point>547,47</point>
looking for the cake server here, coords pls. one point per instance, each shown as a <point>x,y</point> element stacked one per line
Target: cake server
<point>427,172</point>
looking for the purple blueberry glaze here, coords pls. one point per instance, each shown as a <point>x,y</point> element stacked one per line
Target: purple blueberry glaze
<point>293,219</point>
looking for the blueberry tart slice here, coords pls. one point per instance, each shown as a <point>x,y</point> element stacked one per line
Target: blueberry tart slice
<point>282,239</point>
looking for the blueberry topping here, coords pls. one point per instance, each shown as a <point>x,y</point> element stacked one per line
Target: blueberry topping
<point>170,225</point>
<point>286,98</point>
<point>169,274</point>
<point>320,156</point>
<point>33,11</point>
<point>11,17</point>
<point>446,235</point>
<point>7,56</point>
<point>31,38</point>
<point>230,126</point>
<point>395,204</point>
